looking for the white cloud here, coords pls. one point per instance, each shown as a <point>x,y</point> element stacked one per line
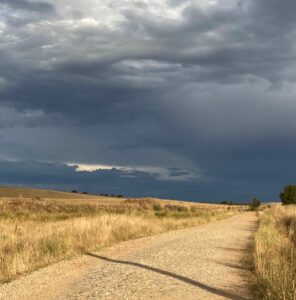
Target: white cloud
<point>160,172</point>
<point>90,167</point>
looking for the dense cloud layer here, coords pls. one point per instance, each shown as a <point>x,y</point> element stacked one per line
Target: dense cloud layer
<point>28,5</point>
<point>130,183</point>
<point>201,87</point>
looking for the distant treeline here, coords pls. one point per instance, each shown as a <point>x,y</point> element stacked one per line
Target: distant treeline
<point>104,195</point>
<point>111,195</point>
<point>226,202</point>
<point>287,196</point>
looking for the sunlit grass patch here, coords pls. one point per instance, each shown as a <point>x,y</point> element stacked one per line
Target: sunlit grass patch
<point>275,253</point>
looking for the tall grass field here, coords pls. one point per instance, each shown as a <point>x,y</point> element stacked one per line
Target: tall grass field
<point>275,253</point>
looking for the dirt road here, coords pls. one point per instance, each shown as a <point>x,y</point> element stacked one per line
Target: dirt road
<point>204,262</point>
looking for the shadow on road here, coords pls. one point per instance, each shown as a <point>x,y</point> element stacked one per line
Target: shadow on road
<point>200,285</point>
<point>233,249</point>
<point>231,265</point>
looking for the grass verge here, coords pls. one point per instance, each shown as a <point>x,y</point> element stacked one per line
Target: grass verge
<point>275,253</point>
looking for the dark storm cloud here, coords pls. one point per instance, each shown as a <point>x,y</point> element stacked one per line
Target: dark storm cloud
<point>278,13</point>
<point>38,6</point>
<point>222,45</point>
<point>130,183</point>
<point>177,173</point>
<point>204,87</point>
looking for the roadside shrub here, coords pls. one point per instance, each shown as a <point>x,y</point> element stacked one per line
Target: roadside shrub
<point>226,202</point>
<point>254,204</point>
<point>288,196</point>
<point>157,207</point>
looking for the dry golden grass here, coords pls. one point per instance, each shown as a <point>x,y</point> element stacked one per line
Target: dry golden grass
<point>275,253</point>
<point>35,232</point>
<point>30,193</point>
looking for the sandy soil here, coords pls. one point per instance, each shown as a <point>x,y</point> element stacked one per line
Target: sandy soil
<point>203,262</point>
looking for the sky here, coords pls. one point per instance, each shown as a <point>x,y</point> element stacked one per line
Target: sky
<point>190,100</point>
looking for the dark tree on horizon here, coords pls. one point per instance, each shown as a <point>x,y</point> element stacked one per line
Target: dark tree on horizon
<point>288,196</point>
